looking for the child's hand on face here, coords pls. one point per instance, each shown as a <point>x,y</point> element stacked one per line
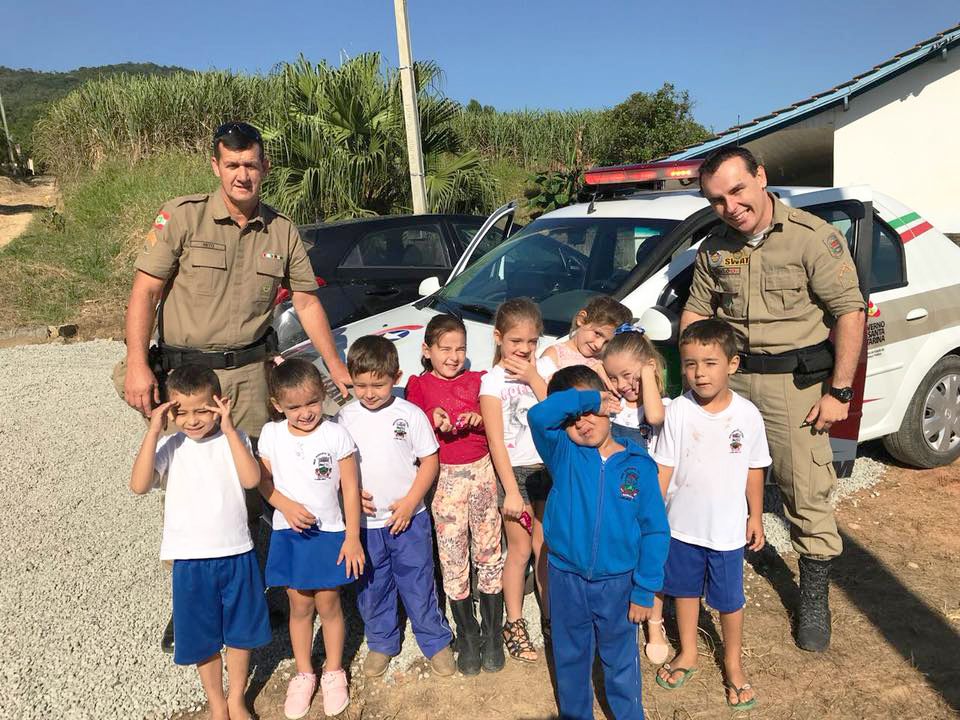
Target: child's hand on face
<point>638,613</point>
<point>609,404</point>
<point>755,538</point>
<point>441,421</point>
<point>352,552</point>
<point>159,416</point>
<point>297,516</point>
<point>402,512</point>
<point>221,407</point>
<point>523,370</point>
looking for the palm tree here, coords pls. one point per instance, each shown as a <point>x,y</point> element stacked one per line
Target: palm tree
<point>339,148</point>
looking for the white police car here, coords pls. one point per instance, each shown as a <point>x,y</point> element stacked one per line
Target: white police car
<point>638,246</point>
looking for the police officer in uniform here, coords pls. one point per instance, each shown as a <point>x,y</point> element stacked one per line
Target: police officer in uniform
<point>782,277</point>
<point>209,270</point>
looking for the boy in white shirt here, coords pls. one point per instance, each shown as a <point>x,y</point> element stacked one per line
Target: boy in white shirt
<point>711,453</point>
<point>217,587</point>
<point>398,463</point>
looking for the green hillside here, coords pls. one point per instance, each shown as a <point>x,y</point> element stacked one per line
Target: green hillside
<point>26,93</point>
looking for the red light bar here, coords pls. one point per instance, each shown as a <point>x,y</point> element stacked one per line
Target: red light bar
<point>647,172</point>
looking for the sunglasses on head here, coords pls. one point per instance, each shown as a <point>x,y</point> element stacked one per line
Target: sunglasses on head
<point>239,129</point>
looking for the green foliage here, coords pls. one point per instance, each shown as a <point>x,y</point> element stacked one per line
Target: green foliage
<point>546,191</point>
<point>647,126</point>
<point>27,93</point>
<point>339,147</point>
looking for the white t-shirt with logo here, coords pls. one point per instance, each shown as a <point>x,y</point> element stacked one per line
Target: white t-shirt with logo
<point>306,469</point>
<point>629,422</point>
<point>389,441</point>
<point>204,512</point>
<point>710,455</point>
<point>516,398</point>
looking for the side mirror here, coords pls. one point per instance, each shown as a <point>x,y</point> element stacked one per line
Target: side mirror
<point>660,324</point>
<point>428,286</point>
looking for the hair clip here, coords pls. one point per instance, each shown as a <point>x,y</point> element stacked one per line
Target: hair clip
<point>629,327</point>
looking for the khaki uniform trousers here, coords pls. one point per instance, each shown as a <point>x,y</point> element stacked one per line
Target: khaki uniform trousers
<point>802,459</point>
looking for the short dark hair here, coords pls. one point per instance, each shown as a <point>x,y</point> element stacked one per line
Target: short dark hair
<point>373,354</point>
<point>439,326</point>
<point>709,332</point>
<point>291,374</point>
<point>236,136</point>
<point>715,159</point>
<point>575,376</point>
<point>192,380</point>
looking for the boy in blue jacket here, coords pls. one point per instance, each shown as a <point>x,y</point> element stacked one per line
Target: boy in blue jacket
<point>607,534</point>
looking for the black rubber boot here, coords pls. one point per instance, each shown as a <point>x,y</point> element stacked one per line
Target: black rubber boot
<point>468,636</point>
<point>813,618</point>
<point>491,628</point>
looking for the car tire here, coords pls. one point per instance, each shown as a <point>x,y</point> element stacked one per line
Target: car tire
<point>929,435</point>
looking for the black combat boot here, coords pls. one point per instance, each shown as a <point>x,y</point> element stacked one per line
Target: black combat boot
<point>491,628</point>
<point>468,636</point>
<point>813,619</point>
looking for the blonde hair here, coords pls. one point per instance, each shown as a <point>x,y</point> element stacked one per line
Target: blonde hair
<point>639,347</point>
<point>513,312</point>
<point>602,310</point>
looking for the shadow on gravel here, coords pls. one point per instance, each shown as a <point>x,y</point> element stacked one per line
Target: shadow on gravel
<point>17,209</point>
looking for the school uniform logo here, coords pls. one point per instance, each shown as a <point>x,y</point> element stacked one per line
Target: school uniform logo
<point>629,482</point>
<point>323,466</point>
<point>736,441</point>
<point>400,429</point>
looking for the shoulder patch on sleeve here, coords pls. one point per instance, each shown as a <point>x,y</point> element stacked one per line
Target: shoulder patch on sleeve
<point>834,244</point>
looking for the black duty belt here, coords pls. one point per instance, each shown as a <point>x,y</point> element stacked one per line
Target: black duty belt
<point>173,357</point>
<point>788,362</point>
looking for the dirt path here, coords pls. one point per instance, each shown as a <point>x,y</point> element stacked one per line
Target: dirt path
<point>19,200</point>
<point>896,641</point>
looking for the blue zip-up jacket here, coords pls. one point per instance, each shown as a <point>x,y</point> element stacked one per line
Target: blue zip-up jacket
<point>603,518</point>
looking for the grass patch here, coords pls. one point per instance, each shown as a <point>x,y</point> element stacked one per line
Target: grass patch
<point>77,264</point>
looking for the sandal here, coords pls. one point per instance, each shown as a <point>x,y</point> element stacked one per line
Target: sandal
<point>739,704</point>
<point>656,652</point>
<point>517,640</point>
<point>685,673</point>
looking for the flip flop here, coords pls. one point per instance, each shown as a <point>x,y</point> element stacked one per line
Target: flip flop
<point>746,705</point>
<point>656,652</point>
<point>685,674</point>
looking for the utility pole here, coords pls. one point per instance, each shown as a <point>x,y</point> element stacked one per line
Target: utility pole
<point>411,115</point>
<point>6,133</point>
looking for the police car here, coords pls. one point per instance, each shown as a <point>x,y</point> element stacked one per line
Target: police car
<point>639,247</point>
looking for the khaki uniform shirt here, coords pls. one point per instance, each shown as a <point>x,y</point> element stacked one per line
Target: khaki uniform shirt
<point>775,295</point>
<point>222,279</point>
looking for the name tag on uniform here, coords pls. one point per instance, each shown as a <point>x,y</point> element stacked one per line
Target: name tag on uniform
<point>736,261</point>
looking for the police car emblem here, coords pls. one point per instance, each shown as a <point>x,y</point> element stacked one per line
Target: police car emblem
<point>399,429</point>
<point>736,441</point>
<point>323,466</point>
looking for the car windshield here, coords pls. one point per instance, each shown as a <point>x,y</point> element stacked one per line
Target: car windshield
<point>559,263</point>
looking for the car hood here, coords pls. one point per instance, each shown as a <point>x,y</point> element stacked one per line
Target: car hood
<point>404,327</point>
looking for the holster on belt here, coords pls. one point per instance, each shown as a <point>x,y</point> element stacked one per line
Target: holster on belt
<point>155,363</point>
<point>809,365</point>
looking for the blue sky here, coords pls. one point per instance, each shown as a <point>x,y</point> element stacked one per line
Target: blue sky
<point>741,59</point>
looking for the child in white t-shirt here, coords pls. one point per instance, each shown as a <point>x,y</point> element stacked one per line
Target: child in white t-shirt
<point>711,454</point>
<point>217,587</point>
<point>307,465</point>
<point>398,464</point>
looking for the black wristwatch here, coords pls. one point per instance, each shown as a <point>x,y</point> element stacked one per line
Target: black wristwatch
<point>844,394</point>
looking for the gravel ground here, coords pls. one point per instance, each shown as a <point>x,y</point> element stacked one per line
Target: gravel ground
<point>83,598</point>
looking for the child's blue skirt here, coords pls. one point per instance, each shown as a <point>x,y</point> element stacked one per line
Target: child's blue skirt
<point>305,560</point>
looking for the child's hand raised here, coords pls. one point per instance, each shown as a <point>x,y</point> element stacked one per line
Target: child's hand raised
<point>609,404</point>
<point>441,421</point>
<point>159,416</point>
<point>222,408</point>
<point>352,552</point>
<point>523,370</point>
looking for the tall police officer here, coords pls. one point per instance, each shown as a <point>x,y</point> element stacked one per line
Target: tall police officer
<point>782,277</point>
<point>209,270</point>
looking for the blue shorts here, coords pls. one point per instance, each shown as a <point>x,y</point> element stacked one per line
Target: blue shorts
<point>305,561</point>
<point>217,602</point>
<point>697,571</point>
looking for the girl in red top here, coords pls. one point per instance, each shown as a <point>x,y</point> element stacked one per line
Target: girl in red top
<point>466,493</point>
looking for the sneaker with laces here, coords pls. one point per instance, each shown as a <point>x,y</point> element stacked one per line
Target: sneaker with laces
<point>333,685</point>
<point>299,694</point>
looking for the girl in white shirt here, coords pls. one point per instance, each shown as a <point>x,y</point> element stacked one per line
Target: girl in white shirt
<point>507,392</point>
<point>307,464</point>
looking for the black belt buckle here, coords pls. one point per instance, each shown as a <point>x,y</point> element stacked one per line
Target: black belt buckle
<point>229,359</point>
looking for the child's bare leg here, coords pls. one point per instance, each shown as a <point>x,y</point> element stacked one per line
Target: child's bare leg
<point>332,627</point>
<point>301,628</point>
<point>540,558</point>
<point>515,567</point>
<point>657,644</point>
<point>688,613</point>
<point>731,625</point>
<point>211,677</point>
<point>238,662</point>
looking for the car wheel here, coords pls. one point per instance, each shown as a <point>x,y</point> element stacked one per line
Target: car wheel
<point>929,435</point>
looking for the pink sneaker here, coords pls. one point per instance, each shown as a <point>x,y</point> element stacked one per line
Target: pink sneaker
<point>333,685</point>
<point>299,694</point>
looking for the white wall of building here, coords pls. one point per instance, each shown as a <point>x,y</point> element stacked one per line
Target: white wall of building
<point>903,138</point>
